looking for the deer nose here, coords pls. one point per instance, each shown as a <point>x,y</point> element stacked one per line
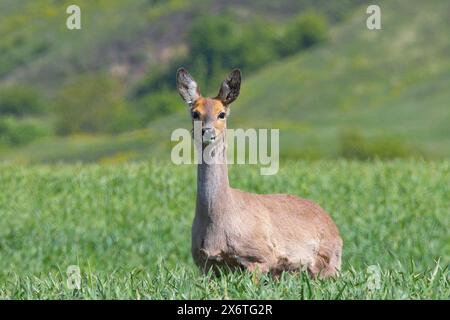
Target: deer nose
<point>207,130</point>
<point>208,134</point>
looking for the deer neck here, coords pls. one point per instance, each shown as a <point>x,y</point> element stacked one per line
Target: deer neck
<point>213,190</point>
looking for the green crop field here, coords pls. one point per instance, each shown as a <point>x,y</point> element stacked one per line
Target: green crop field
<point>127,227</point>
<point>86,118</point>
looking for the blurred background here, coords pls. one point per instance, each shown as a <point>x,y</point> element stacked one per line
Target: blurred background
<point>106,93</point>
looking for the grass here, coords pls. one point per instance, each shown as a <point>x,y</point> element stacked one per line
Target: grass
<point>128,229</point>
<point>185,283</point>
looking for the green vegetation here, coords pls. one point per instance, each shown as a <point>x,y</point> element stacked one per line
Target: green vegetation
<point>92,104</point>
<point>389,85</point>
<point>217,44</point>
<point>185,283</point>
<point>16,132</point>
<point>20,101</point>
<point>34,33</point>
<point>106,95</point>
<point>305,31</point>
<point>358,94</point>
<point>128,228</point>
<point>21,109</point>
<point>353,145</point>
<point>123,40</point>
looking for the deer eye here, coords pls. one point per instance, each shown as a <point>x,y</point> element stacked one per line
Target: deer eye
<point>221,115</point>
<point>195,115</point>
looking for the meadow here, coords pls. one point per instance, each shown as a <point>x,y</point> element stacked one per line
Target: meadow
<point>86,118</point>
<point>127,226</point>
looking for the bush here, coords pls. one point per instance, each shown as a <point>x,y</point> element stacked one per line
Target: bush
<point>157,104</point>
<point>20,101</point>
<point>213,40</point>
<point>217,45</point>
<point>303,32</point>
<point>355,146</point>
<point>92,104</point>
<point>352,144</point>
<point>257,46</point>
<point>16,132</point>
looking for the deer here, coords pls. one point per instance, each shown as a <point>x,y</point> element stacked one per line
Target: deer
<point>234,229</point>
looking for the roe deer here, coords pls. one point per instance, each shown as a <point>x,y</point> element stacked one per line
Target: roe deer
<point>237,229</point>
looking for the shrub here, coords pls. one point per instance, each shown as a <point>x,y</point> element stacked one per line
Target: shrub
<point>157,79</point>
<point>217,45</point>
<point>257,46</point>
<point>355,146</point>
<point>92,103</point>
<point>16,132</point>
<point>352,144</point>
<point>303,32</point>
<point>212,40</point>
<point>157,104</point>
<point>20,101</point>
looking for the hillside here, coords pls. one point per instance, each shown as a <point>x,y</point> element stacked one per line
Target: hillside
<point>362,93</point>
<point>390,84</point>
<point>125,37</point>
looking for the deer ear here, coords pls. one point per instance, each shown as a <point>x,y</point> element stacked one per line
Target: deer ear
<point>187,87</point>
<point>230,88</point>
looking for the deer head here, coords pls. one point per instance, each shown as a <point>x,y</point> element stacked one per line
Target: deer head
<point>210,113</point>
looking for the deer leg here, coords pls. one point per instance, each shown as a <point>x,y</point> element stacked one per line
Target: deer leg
<point>327,263</point>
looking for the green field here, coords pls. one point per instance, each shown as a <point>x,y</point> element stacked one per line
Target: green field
<point>128,229</point>
<point>364,131</point>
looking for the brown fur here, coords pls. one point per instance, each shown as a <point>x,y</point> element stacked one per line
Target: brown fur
<point>209,109</point>
<point>237,229</point>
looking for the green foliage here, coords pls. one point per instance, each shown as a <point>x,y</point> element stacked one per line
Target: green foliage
<point>16,132</point>
<point>212,49</point>
<point>157,104</point>
<point>218,44</point>
<point>21,110</point>
<point>353,145</point>
<point>212,40</point>
<point>34,33</point>
<point>137,144</point>
<point>257,46</point>
<point>391,84</point>
<point>157,79</point>
<point>20,101</point>
<point>303,32</point>
<point>92,103</point>
<point>128,229</point>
